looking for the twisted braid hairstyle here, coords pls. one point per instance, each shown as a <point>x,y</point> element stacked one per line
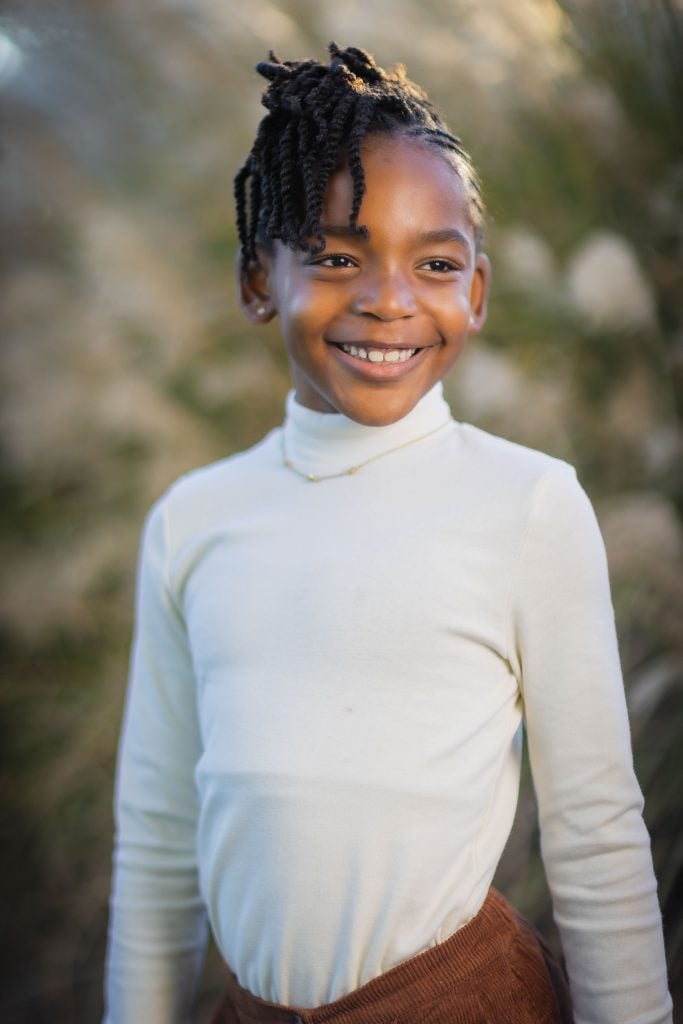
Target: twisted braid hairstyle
<point>318,116</point>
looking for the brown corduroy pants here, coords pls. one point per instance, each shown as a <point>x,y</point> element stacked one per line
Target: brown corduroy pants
<point>494,970</point>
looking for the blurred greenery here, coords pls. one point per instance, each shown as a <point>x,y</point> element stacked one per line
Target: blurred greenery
<point>125,362</point>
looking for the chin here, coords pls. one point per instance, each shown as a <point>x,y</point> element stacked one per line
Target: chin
<point>380,411</point>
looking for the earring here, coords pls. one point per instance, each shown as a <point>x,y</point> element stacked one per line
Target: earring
<point>260,311</point>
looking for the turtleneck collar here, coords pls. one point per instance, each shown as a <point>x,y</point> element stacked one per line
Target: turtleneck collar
<point>326,443</point>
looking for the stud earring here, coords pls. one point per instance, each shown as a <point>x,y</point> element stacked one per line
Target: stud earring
<point>260,311</point>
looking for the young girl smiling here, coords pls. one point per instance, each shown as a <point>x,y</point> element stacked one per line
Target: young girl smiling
<point>340,631</point>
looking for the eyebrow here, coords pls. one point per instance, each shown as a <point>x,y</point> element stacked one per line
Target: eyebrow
<point>443,235</point>
<point>437,237</point>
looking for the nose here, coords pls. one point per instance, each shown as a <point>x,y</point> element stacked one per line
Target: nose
<point>385,295</point>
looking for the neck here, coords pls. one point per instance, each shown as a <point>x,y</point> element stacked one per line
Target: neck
<point>322,444</point>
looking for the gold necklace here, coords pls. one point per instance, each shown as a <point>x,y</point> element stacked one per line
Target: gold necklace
<point>313,478</point>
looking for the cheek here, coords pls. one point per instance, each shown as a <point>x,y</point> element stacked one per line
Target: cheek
<point>301,306</point>
<point>458,304</point>
<point>455,314</point>
<point>307,316</point>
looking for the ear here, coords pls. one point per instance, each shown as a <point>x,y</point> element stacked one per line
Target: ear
<point>253,289</point>
<point>479,293</point>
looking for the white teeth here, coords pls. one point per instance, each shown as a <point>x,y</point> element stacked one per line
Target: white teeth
<point>380,355</point>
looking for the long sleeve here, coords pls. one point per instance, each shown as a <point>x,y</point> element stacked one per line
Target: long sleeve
<point>594,843</point>
<point>158,925</point>
<point>369,683</point>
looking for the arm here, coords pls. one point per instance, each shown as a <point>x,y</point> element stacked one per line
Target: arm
<point>158,929</point>
<point>594,843</point>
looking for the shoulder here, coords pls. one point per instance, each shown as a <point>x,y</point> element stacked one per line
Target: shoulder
<point>510,471</point>
<point>538,496</point>
<point>209,493</point>
<point>501,454</point>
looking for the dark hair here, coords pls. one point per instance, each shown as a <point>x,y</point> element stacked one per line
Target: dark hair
<point>319,114</point>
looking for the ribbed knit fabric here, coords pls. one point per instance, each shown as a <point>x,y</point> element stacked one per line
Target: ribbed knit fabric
<point>494,970</point>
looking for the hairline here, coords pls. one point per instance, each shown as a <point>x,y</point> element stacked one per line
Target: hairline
<point>398,131</point>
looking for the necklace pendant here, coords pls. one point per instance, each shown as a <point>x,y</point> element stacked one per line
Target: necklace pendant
<point>351,470</point>
<point>313,478</point>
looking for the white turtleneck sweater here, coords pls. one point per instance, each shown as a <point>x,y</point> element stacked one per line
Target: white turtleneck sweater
<point>322,737</point>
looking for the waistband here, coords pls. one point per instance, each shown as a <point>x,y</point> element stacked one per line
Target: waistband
<point>455,971</point>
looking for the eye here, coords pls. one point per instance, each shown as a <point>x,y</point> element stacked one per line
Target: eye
<point>334,260</point>
<point>440,266</point>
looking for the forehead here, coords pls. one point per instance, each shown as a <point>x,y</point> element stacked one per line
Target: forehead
<point>408,183</point>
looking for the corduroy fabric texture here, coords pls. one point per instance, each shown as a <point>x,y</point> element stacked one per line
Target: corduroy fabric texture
<point>495,969</point>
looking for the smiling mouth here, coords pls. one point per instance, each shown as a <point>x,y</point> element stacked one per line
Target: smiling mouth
<point>380,355</point>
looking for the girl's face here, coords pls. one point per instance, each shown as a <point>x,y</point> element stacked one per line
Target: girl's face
<point>371,324</point>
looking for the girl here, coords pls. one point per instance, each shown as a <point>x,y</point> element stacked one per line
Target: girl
<point>340,631</point>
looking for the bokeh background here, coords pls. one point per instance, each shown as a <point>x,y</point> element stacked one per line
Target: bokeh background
<point>125,362</point>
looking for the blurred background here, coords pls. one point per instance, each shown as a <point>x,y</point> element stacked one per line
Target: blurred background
<point>125,363</point>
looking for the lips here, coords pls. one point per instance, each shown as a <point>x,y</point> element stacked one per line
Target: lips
<point>379,362</point>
